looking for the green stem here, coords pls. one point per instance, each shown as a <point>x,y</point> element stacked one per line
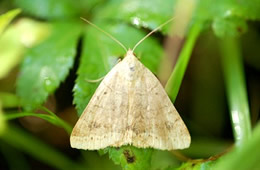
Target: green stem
<point>11,116</point>
<point>25,142</point>
<point>236,88</point>
<point>173,85</point>
<point>50,118</point>
<point>61,122</point>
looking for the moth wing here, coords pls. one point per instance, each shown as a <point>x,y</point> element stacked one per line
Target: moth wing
<point>130,107</point>
<point>157,123</point>
<point>103,122</point>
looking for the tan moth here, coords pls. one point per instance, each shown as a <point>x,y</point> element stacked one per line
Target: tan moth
<point>130,107</point>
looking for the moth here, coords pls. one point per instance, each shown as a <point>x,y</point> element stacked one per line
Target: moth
<point>130,107</point>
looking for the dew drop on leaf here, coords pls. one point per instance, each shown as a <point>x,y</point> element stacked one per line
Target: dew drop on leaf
<point>49,79</point>
<point>48,84</point>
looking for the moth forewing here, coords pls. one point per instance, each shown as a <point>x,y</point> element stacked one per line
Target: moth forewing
<point>130,107</point>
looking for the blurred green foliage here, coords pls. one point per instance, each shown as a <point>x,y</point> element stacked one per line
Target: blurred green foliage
<point>6,62</point>
<point>46,72</point>
<point>2,121</point>
<point>7,18</point>
<point>57,52</point>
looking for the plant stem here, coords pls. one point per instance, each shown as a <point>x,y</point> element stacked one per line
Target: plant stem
<point>25,142</point>
<point>61,122</point>
<point>236,88</point>
<point>50,118</point>
<point>173,85</point>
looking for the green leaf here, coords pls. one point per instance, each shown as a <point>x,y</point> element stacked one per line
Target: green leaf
<point>146,13</point>
<point>247,9</point>
<point>228,16</point>
<point>199,164</point>
<point>87,6</point>
<point>244,157</point>
<point>6,18</point>
<point>47,64</point>
<point>130,157</point>
<point>34,147</point>
<point>233,70</point>
<point>52,9</point>
<point>150,13</point>
<point>243,9</point>
<point>229,27</point>
<point>100,54</point>
<point>15,41</point>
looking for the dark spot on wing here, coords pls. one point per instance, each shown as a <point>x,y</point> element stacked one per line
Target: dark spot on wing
<point>129,157</point>
<point>132,68</point>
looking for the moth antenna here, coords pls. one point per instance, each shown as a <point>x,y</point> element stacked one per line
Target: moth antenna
<point>156,29</point>
<point>109,35</point>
